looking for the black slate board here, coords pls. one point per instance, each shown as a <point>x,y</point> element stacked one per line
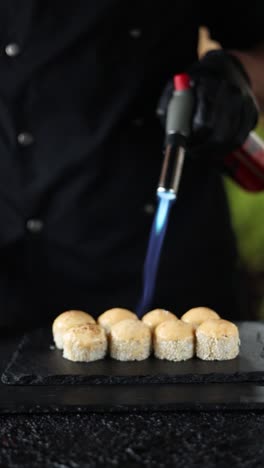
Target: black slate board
<point>15,399</point>
<point>36,362</point>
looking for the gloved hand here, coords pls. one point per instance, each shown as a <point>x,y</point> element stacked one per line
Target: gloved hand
<point>225,110</point>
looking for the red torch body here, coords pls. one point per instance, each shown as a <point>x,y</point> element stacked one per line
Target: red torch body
<point>245,165</point>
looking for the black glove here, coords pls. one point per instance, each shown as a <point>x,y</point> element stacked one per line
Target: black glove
<point>225,110</point>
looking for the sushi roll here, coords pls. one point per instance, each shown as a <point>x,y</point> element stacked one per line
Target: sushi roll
<point>85,343</point>
<point>130,340</point>
<point>157,316</point>
<point>67,320</point>
<point>112,316</point>
<point>174,341</point>
<point>217,340</point>
<point>198,315</point>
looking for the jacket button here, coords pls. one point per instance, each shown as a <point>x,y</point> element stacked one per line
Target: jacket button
<point>139,122</point>
<point>149,208</point>
<point>12,50</point>
<point>135,33</point>
<point>25,138</point>
<point>34,225</point>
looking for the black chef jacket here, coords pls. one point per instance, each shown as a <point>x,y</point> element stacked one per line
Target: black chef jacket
<point>81,150</point>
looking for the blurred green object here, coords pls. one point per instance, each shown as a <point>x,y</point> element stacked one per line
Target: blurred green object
<point>260,129</point>
<point>247,211</point>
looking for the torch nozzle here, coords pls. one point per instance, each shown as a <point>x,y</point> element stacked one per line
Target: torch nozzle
<point>171,170</point>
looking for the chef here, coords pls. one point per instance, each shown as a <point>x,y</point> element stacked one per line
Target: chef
<point>81,151</point>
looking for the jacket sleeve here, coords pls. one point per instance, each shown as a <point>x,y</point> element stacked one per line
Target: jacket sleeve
<point>235,24</point>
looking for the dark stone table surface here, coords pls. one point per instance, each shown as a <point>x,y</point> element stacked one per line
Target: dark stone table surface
<point>152,439</point>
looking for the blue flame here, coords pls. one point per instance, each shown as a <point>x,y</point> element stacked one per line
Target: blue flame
<point>162,213</point>
<point>157,235</point>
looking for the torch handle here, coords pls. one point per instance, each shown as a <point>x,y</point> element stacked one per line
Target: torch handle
<point>178,128</point>
<point>178,122</point>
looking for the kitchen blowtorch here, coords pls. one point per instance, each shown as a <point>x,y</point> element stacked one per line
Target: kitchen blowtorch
<point>178,126</point>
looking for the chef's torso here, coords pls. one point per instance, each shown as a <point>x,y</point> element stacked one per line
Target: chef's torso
<point>81,149</point>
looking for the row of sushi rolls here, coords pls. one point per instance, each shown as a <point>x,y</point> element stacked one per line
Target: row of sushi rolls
<point>119,333</point>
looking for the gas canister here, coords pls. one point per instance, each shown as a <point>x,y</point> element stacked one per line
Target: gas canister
<point>245,165</point>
